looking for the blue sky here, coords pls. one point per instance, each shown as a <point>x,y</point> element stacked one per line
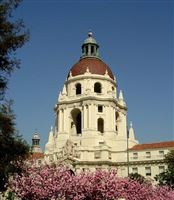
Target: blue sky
<point>135,39</point>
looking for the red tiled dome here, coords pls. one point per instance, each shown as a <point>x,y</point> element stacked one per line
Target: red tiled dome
<point>95,66</point>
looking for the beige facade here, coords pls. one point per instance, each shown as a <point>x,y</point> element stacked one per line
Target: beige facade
<point>91,121</point>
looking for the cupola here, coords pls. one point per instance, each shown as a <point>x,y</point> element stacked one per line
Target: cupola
<point>90,60</point>
<point>36,143</point>
<point>90,48</point>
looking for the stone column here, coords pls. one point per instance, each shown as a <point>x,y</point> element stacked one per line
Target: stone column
<point>59,121</point>
<point>62,120</point>
<point>87,116</point>
<point>82,118</point>
<point>107,119</point>
<point>65,120</point>
<point>113,118</point>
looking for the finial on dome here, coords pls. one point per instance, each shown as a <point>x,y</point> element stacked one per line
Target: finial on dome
<point>90,47</point>
<point>90,34</point>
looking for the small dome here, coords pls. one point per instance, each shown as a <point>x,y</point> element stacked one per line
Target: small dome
<point>36,136</point>
<point>95,66</point>
<point>90,39</point>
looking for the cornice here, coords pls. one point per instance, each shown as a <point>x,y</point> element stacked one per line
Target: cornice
<point>90,76</point>
<point>110,163</point>
<point>97,98</point>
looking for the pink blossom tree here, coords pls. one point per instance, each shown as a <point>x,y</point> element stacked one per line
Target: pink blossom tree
<point>58,183</point>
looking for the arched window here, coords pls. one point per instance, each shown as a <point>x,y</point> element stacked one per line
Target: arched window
<point>78,88</point>
<point>75,125</point>
<point>100,125</point>
<point>97,87</point>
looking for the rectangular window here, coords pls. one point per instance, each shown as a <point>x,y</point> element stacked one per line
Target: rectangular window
<point>39,162</point>
<point>161,169</point>
<point>148,171</point>
<point>148,154</point>
<point>135,155</point>
<point>109,155</point>
<point>161,153</point>
<point>97,154</point>
<point>100,108</point>
<point>134,170</point>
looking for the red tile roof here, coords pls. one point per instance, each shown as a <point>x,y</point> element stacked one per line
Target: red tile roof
<point>95,66</point>
<point>158,145</point>
<point>35,156</point>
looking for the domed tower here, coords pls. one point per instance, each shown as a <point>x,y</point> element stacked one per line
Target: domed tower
<point>35,148</point>
<point>90,119</point>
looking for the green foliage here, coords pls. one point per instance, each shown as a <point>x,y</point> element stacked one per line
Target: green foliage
<point>137,177</point>
<point>13,149</point>
<point>167,177</point>
<point>169,160</point>
<point>12,36</point>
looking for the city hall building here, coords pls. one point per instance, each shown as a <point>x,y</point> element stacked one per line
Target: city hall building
<point>91,123</point>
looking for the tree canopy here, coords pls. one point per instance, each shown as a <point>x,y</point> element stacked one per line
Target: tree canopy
<point>167,177</point>
<point>13,35</point>
<point>13,149</point>
<point>56,182</point>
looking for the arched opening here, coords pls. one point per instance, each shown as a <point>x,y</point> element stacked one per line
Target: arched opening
<point>76,122</point>
<point>97,87</point>
<point>35,142</point>
<point>92,50</point>
<point>78,88</point>
<point>100,125</point>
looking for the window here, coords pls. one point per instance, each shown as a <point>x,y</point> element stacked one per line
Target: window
<point>97,154</point>
<point>135,155</point>
<point>148,154</point>
<point>100,125</point>
<point>97,87</point>
<point>83,169</point>
<point>86,49</point>
<point>161,153</point>
<point>39,162</point>
<point>101,143</point>
<point>92,50</point>
<point>134,170</point>
<point>109,155</point>
<point>78,88</point>
<point>161,169</point>
<point>148,171</point>
<point>117,120</point>
<point>100,108</point>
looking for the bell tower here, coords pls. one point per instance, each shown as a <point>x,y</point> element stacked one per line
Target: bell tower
<point>35,148</point>
<point>90,118</point>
